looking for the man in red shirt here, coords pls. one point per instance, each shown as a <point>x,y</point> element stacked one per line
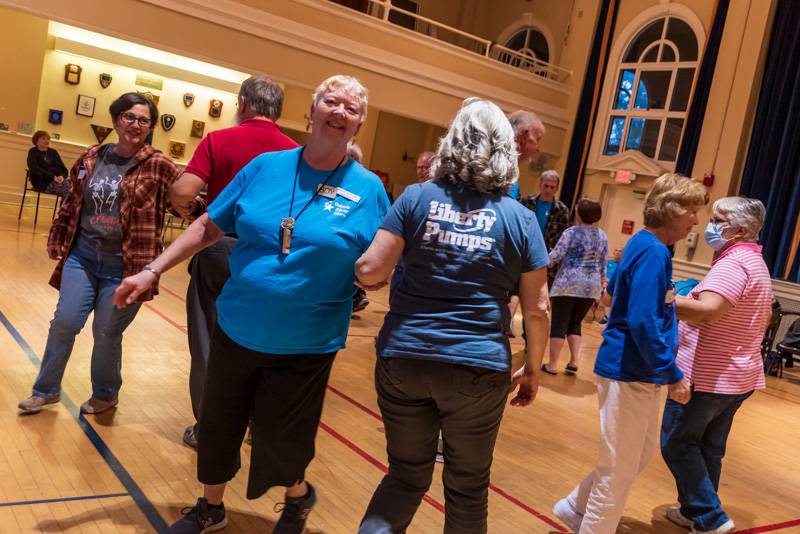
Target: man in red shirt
<point>217,159</point>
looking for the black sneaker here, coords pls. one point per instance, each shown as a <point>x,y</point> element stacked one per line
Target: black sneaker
<point>190,437</point>
<point>360,302</point>
<point>295,512</point>
<point>200,519</point>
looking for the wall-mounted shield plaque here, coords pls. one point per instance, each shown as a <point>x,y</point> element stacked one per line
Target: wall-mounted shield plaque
<point>167,121</point>
<point>105,80</point>
<point>101,132</point>
<point>55,116</point>
<point>198,127</point>
<point>188,99</point>
<point>177,149</point>
<point>72,73</point>
<point>215,108</point>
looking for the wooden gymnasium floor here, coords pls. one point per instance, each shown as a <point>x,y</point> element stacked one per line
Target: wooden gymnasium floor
<point>127,471</point>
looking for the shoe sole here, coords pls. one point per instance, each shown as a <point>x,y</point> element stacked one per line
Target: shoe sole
<point>32,411</point>
<point>687,523</point>
<point>219,526</point>
<point>92,411</point>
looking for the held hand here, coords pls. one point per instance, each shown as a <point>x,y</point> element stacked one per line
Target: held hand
<point>374,287</point>
<point>131,287</point>
<point>528,384</point>
<point>681,391</point>
<point>55,252</point>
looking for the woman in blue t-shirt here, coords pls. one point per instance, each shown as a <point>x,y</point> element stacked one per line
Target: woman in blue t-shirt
<point>303,217</point>
<point>444,361</point>
<point>636,358</point>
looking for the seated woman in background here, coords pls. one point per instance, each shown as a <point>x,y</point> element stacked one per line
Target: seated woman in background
<point>47,172</point>
<point>581,252</point>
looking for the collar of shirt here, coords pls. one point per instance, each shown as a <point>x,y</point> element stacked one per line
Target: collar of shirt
<point>755,247</point>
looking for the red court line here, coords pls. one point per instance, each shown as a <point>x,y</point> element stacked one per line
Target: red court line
<point>168,291</point>
<point>374,461</point>
<point>165,317</point>
<point>770,528</point>
<point>510,498</point>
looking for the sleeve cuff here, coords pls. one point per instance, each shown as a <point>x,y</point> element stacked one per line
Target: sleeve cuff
<point>672,375</point>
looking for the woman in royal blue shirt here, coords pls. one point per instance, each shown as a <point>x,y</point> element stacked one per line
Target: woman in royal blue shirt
<point>444,361</point>
<point>636,358</point>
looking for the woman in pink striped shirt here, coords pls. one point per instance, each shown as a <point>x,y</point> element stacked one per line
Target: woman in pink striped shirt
<point>723,322</point>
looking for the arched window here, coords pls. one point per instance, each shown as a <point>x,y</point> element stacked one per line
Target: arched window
<point>529,42</point>
<point>652,91</point>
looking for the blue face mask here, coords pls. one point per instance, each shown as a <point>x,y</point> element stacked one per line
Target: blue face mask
<point>714,237</point>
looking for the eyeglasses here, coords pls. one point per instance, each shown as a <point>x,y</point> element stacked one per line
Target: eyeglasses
<point>130,118</point>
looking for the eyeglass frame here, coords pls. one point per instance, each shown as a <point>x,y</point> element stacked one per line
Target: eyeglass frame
<point>130,118</point>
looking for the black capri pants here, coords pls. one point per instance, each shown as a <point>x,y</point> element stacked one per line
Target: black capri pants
<point>285,394</point>
<point>567,314</point>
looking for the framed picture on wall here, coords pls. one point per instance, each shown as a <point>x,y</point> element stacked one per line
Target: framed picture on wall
<point>85,106</point>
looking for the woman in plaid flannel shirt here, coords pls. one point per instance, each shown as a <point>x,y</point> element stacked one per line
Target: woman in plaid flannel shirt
<point>109,227</point>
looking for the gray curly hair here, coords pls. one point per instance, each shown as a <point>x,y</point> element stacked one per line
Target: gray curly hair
<point>478,149</point>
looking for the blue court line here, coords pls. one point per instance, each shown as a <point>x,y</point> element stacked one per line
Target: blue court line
<point>114,464</point>
<point>65,499</point>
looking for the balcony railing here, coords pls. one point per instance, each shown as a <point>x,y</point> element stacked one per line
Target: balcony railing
<point>385,10</point>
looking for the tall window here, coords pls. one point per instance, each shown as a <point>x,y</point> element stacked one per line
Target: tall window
<point>652,92</point>
<point>529,42</point>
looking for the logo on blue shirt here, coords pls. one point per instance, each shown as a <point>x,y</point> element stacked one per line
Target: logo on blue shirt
<point>461,225</point>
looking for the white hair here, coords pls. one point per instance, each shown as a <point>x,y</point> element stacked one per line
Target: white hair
<point>742,212</point>
<point>523,121</point>
<point>478,149</point>
<point>344,84</point>
<point>550,175</point>
<point>354,152</point>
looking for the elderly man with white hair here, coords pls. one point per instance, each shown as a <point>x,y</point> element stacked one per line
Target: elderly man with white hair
<point>733,302</point>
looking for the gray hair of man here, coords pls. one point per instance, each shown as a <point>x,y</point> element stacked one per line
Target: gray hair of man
<point>742,212</point>
<point>354,152</point>
<point>263,96</point>
<point>550,175</point>
<point>522,121</point>
<point>478,149</point>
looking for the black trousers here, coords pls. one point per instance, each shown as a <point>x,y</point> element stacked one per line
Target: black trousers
<point>209,270</point>
<point>417,398</point>
<point>568,313</point>
<point>285,393</point>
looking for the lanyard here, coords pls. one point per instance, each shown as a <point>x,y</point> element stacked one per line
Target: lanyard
<point>287,223</point>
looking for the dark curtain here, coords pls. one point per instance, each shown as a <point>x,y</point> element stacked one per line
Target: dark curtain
<point>586,114</point>
<point>697,112</point>
<point>772,169</point>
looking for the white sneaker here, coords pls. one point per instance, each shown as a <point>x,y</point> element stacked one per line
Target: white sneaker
<point>674,514</point>
<point>724,528</point>
<point>568,515</point>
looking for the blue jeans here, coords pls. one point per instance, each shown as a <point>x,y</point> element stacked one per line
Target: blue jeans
<point>693,439</point>
<point>88,283</point>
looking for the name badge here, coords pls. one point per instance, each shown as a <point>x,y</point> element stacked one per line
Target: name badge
<point>326,191</point>
<point>348,195</point>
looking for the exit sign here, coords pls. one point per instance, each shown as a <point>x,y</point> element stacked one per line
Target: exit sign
<point>627,227</point>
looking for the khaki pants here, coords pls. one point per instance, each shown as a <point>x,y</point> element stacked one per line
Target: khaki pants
<point>628,438</point>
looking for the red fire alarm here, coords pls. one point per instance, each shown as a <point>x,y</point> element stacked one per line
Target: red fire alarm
<point>708,179</point>
<point>627,227</point>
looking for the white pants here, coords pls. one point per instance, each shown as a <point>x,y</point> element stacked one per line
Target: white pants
<point>628,439</point>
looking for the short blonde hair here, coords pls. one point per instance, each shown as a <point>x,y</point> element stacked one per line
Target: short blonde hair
<point>671,196</point>
<point>345,84</point>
